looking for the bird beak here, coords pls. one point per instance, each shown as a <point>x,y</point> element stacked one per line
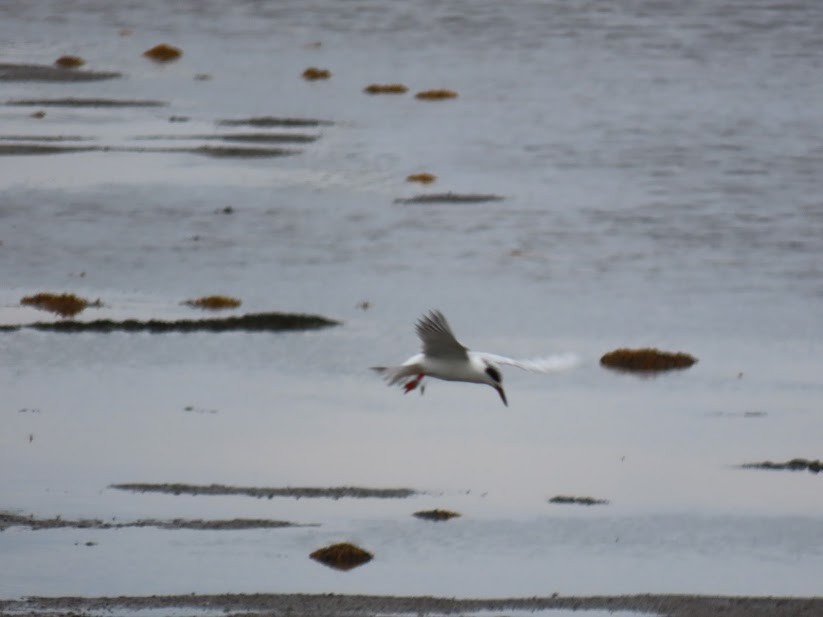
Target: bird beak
<point>502,394</point>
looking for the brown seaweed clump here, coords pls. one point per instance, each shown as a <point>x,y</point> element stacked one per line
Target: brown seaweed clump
<point>436,515</point>
<point>436,95</point>
<point>214,303</point>
<point>65,304</point>
<point>423,178</point>
<point>313,73</point>
<point>343,556</point>
<point>69,62</point>
<point>386,89</point>
<point>163,53</point>
<point>646,360</point>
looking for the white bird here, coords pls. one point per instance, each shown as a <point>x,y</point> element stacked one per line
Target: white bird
<point>444,357</point>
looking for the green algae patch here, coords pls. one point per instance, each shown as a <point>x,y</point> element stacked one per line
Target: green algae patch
<point>253,322</point>
<point>436,515</point>
<point>646,360</point>
<point>580,501</point>
<point>343,556</point>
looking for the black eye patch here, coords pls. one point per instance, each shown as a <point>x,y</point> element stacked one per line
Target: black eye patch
<point>493,373</point>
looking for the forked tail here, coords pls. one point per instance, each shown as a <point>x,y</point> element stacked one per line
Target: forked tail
<point>395,374</point>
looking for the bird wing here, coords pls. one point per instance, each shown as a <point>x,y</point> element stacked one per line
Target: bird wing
<point>437,337</point>
<point>546,364</point>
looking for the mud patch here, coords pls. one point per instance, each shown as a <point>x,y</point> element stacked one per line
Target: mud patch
<point>273,121</point>
<point>737,414</point>
<point>796,464</point>
<point>449,198</point>
<point>78,102</point>
<point>254,138</point>
<point>212,151</point>
<point>335,605</point>
<point>339,492</point>
<point>9,519</point>
<point>42,72</point>
<point>224,152</point>
<point>580,501</point>
<point>45,138</point>
<point>30,149</point>
<point>436,515</point>
<point>255,322</point>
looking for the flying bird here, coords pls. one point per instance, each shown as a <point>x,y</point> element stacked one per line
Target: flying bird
<point>444,357</point>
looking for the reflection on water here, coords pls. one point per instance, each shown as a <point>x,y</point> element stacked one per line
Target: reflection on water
<point>658,168</point>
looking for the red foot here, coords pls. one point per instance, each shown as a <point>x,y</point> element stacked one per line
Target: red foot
<point>411,385</point>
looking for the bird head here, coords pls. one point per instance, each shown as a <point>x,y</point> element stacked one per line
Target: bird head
<point>495,380</point>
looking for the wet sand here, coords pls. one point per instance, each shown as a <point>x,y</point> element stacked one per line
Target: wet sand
<point>333,605</point>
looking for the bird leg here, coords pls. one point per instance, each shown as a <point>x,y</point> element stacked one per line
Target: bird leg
<point>413,383</point>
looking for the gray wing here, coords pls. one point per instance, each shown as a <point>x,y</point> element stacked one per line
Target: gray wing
<point>547,364</point>
<point>437,337</point>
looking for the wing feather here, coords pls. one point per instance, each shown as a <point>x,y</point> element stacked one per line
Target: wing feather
<point>546,364</point>
<point>437,337</point>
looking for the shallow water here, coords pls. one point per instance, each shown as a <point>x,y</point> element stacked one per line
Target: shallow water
<point>660,172</point>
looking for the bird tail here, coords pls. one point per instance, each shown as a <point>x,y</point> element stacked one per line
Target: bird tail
<point>395,374</point>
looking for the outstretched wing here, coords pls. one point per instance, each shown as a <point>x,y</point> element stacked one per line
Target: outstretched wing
<point>546,364</point>
<point>437,337</point>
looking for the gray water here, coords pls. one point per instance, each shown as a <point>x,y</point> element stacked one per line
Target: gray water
<point>660,168</point>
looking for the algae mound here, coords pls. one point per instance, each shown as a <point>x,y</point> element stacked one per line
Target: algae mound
<point>386,89</point>
<point>343,556</point>
<point>313,73</point>
<point>646,360</point>
<point>163,53</point>
<point>436,95</point>
<point>65,304</point>
<point>69,62</point>
<point>422,177</point>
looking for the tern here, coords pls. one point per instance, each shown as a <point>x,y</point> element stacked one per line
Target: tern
<point>444,357</point>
